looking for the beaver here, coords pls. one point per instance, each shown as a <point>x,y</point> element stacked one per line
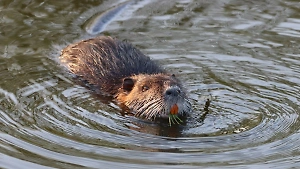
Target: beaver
<point>116,68</point>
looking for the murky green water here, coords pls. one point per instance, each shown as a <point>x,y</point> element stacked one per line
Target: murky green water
<point>242,54</point>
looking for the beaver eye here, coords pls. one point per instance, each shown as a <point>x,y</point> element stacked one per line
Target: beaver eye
<point>145,88</point>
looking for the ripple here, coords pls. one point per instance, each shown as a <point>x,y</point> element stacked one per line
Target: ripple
<point>244,58</point>
<point>101,20</point>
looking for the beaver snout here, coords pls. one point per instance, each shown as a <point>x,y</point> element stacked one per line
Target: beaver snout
<point>173,91</point>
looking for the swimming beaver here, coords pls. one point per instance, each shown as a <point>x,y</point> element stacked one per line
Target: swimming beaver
<point>116,68</point>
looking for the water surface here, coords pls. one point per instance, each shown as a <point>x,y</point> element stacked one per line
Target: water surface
<point>244,55</point>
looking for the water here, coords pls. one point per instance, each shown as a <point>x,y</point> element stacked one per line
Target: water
<point>241,54</point>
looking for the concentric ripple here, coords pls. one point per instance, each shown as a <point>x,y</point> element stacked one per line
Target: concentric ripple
<point>242,56</point>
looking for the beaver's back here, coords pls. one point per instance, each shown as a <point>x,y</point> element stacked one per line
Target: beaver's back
<point>103,62</point>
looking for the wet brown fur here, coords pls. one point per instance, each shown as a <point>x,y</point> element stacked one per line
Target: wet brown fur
<point>116,68</point>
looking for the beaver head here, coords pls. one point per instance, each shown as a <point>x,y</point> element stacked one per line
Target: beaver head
<point>153,95</point>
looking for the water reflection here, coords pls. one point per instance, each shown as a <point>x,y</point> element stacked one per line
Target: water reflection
<point>241,54</point>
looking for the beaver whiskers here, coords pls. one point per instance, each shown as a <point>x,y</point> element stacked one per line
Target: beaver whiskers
<point>148,109</point>
<point>155,107</point>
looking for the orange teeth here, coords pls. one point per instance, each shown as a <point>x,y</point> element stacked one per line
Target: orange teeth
<point>174,109</point>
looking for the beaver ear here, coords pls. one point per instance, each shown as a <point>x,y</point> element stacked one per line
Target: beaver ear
<point>128,84</point>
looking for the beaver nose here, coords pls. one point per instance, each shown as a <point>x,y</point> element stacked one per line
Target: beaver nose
<point>173,91</point>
